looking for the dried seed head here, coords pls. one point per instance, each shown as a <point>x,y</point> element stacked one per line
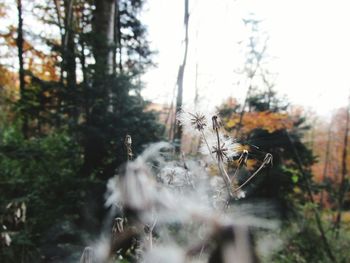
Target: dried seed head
<point>268,159</point>
<point>199,121</point>
<point>232,149</point>
<point>220,151</point>
<point>193,121</point>
<point>216,123</point>
<point>118,226</point>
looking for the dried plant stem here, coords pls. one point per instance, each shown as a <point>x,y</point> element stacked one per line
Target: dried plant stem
<point>220,153</point>
<point>150,234</point>
<point>150,238</point>
<point>267,160</point>
<point>225,176</point>
<point>236,172</point>
<point>207,144</point>
<point>188,180</point>
<point>221,167</point>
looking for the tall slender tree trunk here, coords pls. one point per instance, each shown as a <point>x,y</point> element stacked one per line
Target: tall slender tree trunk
<point>69,57</point>
<point>326,161</point>
<point>104,31</point>
<point>344,173</point>
<point>102,104</point>
<point>21,67</point>
<point>180,79</point>
<point>118,39</point>
<point>103,49</point>
<point>59,99</point>
<point>85,103</point>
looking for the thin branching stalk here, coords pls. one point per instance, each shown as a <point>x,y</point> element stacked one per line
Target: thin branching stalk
<point>150,234</point>
<point>267,160</point>
<point>88,255</point>
<point>207,144</point>
<point>188,180</point>
<point>241,161</point>
<point>220,152</point>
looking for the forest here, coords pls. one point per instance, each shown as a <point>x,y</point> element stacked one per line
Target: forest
<point>91,170</point>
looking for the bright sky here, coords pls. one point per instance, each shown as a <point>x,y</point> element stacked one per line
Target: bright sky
<point>310,41</point>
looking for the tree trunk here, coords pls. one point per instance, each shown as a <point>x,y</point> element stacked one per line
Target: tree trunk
<point>326,161</point>
<point>102,103</point>
<point>85,103</point>
<point>180,79</point>
<point>69,57</point>
<point>104,45</point>
<point>21,67</point>
<point>103,25</point>
<point>344,173</point>
<point>118,39</point>
<point>59,99</point>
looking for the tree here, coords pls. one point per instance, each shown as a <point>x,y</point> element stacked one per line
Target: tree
<point>21,64</point>
<point>344,181</point>
<point>179,83</point>
<point>109,104</point>
<point>253,71</point>
<point>79,106</point>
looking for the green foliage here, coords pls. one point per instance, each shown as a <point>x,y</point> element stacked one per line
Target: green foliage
<point>302,242</point>
<point>42,173</point>
<point>278,182</point>
<point>104,132</point>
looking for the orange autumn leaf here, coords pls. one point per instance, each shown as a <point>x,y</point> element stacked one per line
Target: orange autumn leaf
<point>269,121</point>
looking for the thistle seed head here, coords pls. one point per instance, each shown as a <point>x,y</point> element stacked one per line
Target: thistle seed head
<point>220,151</point>
<point>198,121</point>
<point>216,122</point>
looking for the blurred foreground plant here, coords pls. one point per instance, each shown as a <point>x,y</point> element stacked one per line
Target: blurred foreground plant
<point>179,207</point>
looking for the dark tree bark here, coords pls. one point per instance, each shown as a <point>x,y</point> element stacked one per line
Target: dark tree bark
<point>82,57</point>
<point>118,39</point>
<point>344,173</point>
<point>326,161</point>
<point>180,79</point>
<point>102,104</point>
<point>21,67</point>
<point>103,49</point>
<point>69,57</point>
<point>103,25</point>
<point>59,99</point>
